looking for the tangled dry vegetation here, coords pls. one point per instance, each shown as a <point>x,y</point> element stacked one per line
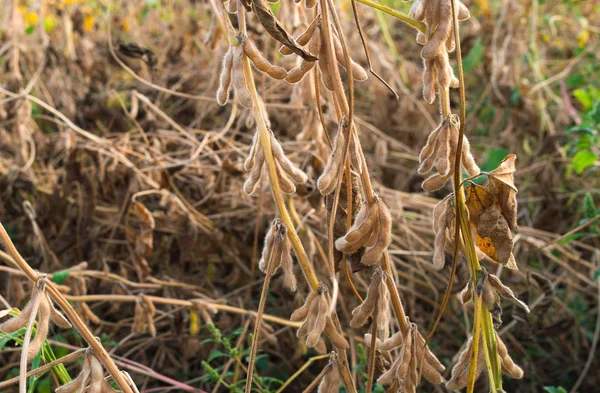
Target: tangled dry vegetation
<point>249,195</point>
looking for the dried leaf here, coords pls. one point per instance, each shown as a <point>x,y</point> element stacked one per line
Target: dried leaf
<point>494,237</point>
<point>276,30</point>
<point>502,186</point>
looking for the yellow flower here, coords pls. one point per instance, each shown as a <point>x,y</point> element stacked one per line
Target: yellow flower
<point>88,23</point>
<point>31,18</point>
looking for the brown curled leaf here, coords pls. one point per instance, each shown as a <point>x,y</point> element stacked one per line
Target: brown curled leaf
<point>276,30</point>
<point>502,185</point>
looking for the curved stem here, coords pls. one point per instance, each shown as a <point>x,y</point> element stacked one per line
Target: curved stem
<point>487,329</point>
<point>265,141</point>
<point>396,14</point>
<point>78,324</point>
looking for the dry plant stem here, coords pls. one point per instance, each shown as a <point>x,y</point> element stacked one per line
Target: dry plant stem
<point>265,141</point>
<point>258,323</point>
<point>489,335</point>
<point>367,54</point>
<point>365,179</point>
<point>306,365</point>
<point>65,359</point>
<point>78,324</point>
<point>27,339</point>
<point>333,68</point>
<point>371,369</point>
<point>178,302</point>
<point>318,379</point>
<point>475,343</point>
<point>15,44</point>
<point>396,14</point>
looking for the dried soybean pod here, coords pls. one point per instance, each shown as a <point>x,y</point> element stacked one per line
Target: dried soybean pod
<point>238,79</point>
<point>15,323</point>
<point>365,227</point>
<point>266,252</point>
<point>232,8</point>
<point>288,167</point>
<point>310,3</point>
<point>440,222</point>
<point>358,73</point>
<point>56,316</point>
<point>285,182</point>
<point>360,230</point>
<point>76,385</point>
<point>467,159</point>
<point>327,181</point>
<point>334,335</point>
<point>289,278</point>
<point>426,157</point>
<point>260,62</point>
<point>437,39</point>
<point>406,354</point>
<point>361,314</point>
<point>43,320</point>
<point>443,164</point>
<point>96,374</point>
<point>254,147</point>
<point>255,173</point>
<point>460,372</point>
<point>302,312</point>
<point>225,78</point>
<point>394,341</point>
<point>417,10</point>
<point>303,38</point>
<point>429,81</point>
<point>435,182</point>
<point>373,254</point>
<point>319,324</point>
<point>331,381</point>
<point>309,322</point>
<point>323,66</point>
<point>509,367</point>
<point>297,73</point>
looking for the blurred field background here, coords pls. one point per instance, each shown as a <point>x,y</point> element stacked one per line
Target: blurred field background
<point>116,117</point>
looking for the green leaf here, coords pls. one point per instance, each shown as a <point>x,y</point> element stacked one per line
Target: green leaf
<point>34,364</point>
<point>574,80</point>
<point>554,389</point>
<point>60,277</point>
<point>583,129</point>
<point>574,236</point>
<point>597,274</point>
<point>214,354</point>
<point>589,207</point>
<point>594,114</point>
<point>30,29</point>
<point>584,98</point>
<point>583,160</point>
<point>475,56</point>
